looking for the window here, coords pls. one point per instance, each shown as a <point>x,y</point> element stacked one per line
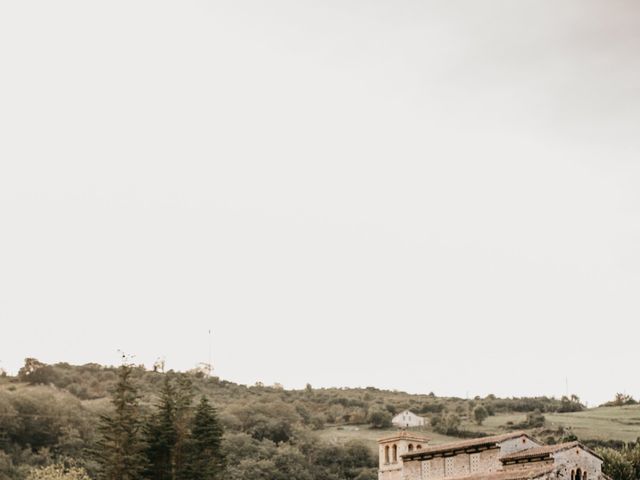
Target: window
<point>474,462</point>
<point>411,447</point>
<point>418,446</point>
<point>448,466</point>
<point>386,454</point>
<point>426,470</point>
<point>394,451</point>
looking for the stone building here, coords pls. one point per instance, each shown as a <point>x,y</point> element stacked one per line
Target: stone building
<point>512,456</point>
<point>407,419</point>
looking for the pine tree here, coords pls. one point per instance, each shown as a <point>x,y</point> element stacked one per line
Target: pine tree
<point>168,429</point>
<point>120,448</point>
<point>182,423</point>
<point>161,435</point>
<point>204,459</point>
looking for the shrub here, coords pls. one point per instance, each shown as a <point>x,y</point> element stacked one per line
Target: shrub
<point>379,418</point>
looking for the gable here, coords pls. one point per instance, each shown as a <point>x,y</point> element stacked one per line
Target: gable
<point>578,453</point>
<point>406,415</point>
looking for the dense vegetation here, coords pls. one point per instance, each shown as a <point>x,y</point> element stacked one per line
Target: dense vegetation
<point>77,422</point>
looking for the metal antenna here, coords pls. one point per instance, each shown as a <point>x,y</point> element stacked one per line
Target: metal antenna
<point>210,348</point>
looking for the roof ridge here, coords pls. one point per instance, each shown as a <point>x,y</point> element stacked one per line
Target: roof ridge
<point>468,443</point>
<point>544,450</point>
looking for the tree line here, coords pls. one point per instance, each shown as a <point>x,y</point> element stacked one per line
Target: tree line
<point>96,422</point>
<point>161,426</point>
<point>176,442</point>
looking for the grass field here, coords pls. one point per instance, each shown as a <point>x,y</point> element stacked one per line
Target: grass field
<point>603,423</point>
<point>341,435</point>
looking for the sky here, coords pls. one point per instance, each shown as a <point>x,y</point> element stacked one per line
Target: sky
<point>416,195</point>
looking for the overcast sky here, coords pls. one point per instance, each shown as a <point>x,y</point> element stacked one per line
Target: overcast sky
<point>425,196</point>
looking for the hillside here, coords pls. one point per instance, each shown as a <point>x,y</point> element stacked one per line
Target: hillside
<point>51,412</point>
<point>596,426</point>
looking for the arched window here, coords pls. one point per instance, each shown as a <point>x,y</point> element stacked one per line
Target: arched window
<point>584,475</point>
<point>411,447</point>
<point>418,446</point>
<point>386,454</point>
<point>573,475</point>
<point>394,453</point>
<point>578,474</point>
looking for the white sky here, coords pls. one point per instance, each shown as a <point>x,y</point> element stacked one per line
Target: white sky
<point>428,196</point>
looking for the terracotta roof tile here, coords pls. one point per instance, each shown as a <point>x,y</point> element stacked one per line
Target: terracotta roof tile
<point>544,451</point>
<point>463,444</point>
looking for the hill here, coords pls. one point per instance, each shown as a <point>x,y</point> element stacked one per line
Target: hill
<point>51,412</point>
<point>602,426</point>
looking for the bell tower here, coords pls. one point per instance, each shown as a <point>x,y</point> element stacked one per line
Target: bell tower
<point>391,449</point>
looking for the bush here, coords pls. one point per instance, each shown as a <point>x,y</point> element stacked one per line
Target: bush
<point>379,418</point>
<point>480,414</point>
<point>616,465</point>
<point>620,400</point>
<point>446,424</point>
<point>534,420</point>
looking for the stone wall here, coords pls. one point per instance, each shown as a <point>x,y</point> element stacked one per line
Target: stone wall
<point>412,471</point>
<point>394,470</point>
<point>575,458</point>
<point>517,444</point>
<point>456,465</point>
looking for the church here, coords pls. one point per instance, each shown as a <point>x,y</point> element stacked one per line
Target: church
<point>511,456</point>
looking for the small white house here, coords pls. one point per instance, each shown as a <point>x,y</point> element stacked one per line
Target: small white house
<point>407,419</point>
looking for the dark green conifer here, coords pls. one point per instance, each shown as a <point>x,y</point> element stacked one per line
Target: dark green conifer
<point>204,459</point>
<point>120,449</point>
<point>161,435</point>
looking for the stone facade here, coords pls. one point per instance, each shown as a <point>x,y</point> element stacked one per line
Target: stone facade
<point>391,449</point>
<point>513,456</point>
<point>576,458</point>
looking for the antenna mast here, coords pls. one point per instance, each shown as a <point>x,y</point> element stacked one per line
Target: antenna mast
<point>210,348</point>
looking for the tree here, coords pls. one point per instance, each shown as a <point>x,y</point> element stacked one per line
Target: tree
<point>168,429</point>
<point>570,404</point>
<point>182,422</point>
<point>160,433</point>
<point>621,399</point>
<point>120,450</point>
<point>616,465</point>
<point>480,414</point>
<point>35,372</point>
<point>448,424</point>
<point>379,418</point>
<point>203,455</point>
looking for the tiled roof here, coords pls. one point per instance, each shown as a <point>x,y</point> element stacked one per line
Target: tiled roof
<point>544,451</point>
<point>474,442</point>
<point>512,474</point>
